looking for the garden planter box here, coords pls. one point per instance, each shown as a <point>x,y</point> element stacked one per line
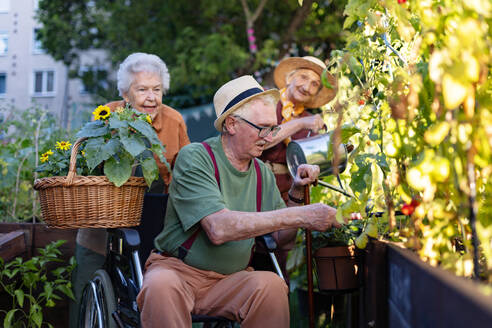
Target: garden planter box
<point>400,290</point>
<point>38,235</point>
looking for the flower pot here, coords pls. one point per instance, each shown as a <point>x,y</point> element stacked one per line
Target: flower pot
<point>338,268</point>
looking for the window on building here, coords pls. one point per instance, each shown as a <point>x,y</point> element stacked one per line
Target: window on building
<point>94,78</point>
<point>44,82</point>
<point>37,47</point>
<point>4,6</point>
<point>3,84</point>
<point>4,42</point>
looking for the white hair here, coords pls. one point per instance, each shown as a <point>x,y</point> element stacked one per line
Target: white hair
<point>245,109</point>
<point>141,62</point>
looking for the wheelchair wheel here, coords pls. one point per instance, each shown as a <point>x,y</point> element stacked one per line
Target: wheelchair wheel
<point>98,303</point>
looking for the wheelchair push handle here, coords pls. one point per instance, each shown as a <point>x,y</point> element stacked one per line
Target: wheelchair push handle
<point>267,241</point>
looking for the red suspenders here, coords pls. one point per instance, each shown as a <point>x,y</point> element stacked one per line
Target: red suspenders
<point>185,247</point>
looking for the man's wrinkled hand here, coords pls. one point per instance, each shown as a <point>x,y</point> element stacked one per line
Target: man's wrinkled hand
<point>306,174</point>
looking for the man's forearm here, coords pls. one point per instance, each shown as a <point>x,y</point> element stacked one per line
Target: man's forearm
<point>227,225</point>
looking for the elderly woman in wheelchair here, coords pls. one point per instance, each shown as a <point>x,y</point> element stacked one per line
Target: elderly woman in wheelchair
<point>142,80</point>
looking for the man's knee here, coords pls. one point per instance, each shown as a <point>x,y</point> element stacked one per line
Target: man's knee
<point>271,282</point>
<point>159,285</point>
<point>162,281</point>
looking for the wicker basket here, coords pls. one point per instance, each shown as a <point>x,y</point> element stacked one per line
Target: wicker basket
<point>78,201</point>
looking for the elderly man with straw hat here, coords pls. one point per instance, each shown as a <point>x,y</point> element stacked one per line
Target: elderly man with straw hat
<point>221,198</point>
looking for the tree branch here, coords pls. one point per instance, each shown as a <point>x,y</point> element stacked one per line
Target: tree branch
<point>247,13</point>
<point>258,10</point>
<point>296,21</point>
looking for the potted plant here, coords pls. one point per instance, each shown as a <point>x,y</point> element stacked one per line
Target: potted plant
<point>104,194</point>
<point>337,252</point>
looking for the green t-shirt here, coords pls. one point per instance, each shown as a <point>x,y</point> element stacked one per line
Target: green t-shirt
<point>194,194</point>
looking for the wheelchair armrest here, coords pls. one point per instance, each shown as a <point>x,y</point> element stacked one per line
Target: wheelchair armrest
<point>267,241</point>
<point>130,237</point>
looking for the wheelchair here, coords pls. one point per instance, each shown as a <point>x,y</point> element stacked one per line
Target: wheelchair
<point>109,299</point>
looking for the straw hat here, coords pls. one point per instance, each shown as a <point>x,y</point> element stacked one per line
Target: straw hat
<point>235,93</point>
<point>288,65</point>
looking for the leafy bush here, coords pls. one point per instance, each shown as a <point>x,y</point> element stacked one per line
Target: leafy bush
<point>23,133</point>
<point>32,287</point>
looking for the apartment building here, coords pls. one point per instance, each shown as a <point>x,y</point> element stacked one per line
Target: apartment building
<point>30,77</point>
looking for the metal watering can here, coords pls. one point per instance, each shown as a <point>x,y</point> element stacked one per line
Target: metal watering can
<point>318,150</point>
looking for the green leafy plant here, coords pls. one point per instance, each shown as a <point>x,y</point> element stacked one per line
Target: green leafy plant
<point>23,133</point>
<point>32,286</point>
<point>116,142</point>
<point>419,90</point>
<point>56,162</point>
<point>344,236</point>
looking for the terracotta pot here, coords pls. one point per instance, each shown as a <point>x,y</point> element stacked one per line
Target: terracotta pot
<point>338,268</point>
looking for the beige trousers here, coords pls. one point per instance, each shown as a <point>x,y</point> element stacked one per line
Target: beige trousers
<point>173,290</point>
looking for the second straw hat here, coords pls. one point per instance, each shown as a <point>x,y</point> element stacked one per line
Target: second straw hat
<point>290,64</point>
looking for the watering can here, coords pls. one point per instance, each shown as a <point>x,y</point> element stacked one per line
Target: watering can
<point>318,150</point>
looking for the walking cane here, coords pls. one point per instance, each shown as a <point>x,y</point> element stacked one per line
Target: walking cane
<point>309,260</point>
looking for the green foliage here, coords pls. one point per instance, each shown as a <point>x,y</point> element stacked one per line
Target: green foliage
<point>116,142</point>
<point>204,43</point>
<point>33,287</point>
<point>418,88</point>
<point>23,133</point>
<point>345,235</point>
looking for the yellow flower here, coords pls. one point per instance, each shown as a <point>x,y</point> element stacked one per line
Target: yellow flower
<point>63,145</point>
<point>148,118</point>
<point>119,110</point>
<point>46,155</point>
<point>83,153</point>
<point>101,113</point>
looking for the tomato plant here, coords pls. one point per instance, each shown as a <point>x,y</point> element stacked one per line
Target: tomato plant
<point>423,72</point>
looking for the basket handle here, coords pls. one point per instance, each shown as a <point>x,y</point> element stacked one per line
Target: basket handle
<point>72,170</point>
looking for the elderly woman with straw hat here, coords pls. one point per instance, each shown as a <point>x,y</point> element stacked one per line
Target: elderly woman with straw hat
<point>299,81</point>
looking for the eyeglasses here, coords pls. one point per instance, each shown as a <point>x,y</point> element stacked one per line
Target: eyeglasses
<point>263,131</point>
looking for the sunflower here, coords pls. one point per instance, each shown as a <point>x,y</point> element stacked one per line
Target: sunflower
<point>119,110</point>
<point>63,145</point>
<point>44,158</point>
<point>148,119</point>
<point>101,113</point>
